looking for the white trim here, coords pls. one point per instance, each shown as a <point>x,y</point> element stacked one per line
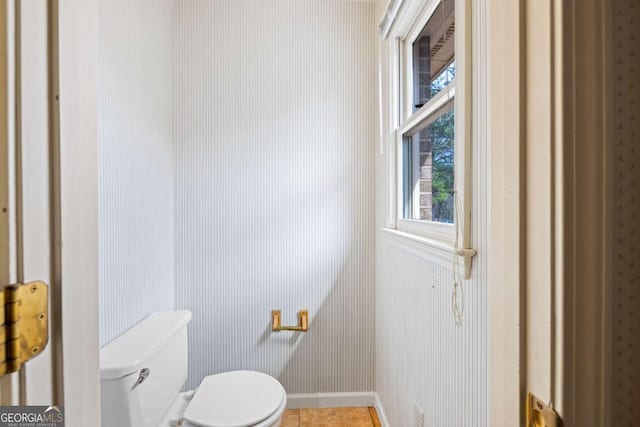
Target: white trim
<point>397,177</point>
<point>427,10</point>
<point>389,18</point>
<point>380,110</point>
<point>502,28</point>
<point>428,249</point>
<point>330,400</point>
<point>441,232</point>
<point>9,385</point>
<point>382,415</point>
<point>428,110</point>
<point>407,16</point>
<point>77,207</point>
<point>32,174</point>
<point>465,82</point>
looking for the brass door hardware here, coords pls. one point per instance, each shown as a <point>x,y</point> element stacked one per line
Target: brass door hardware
<point>303,322</point>
<point>539,414</point>
<point>24,331</point>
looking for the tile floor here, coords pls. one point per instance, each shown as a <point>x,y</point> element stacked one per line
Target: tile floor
<point>331,417</point>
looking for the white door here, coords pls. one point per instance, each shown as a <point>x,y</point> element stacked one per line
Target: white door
<point>549,267</point>
<point>25,198</point>
<point>48,194</point>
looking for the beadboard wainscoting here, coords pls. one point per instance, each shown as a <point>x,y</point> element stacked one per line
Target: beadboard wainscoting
<point>135,137</point>
<point>275,143</point>
<point>422,357</point>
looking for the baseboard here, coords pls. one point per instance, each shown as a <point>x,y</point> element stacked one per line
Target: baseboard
<point>331,400</point>
<point>382,417</point>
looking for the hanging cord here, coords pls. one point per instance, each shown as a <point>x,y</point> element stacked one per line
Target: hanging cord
<point>457,297</point>
<point>380,114</point>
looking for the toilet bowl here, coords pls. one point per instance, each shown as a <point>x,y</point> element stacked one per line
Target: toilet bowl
<point>237,398</point>
<point>143,371</point>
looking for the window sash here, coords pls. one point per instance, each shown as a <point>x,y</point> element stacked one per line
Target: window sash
<point>414,168</point>
<point>413,123</point>
<point>430,111</point>
<point>404,120</point>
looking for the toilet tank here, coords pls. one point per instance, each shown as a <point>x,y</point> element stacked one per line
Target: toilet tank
<point>143,370</point>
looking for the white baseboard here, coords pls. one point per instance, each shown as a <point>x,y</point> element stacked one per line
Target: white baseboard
<point>380,410</point>
<point>330,400</point>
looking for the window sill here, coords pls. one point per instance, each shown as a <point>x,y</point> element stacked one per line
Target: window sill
<point>431,250</point>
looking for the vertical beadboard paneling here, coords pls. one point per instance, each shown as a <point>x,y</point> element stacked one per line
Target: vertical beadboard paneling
<point>422,358</point>
<point>135,110</point>
<point>626,176</point>
<point>275,138</point>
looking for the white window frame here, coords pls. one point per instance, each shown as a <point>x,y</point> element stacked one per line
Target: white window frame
<point>408,24</point>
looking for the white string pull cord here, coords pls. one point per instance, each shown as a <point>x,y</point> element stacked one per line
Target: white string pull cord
<point>457,297</point>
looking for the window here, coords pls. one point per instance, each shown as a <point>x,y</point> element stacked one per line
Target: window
<point>428,149</point>
<point>431,130</point>
<point>428,176</point>
<point>433,53</point>
<point>429,169</point>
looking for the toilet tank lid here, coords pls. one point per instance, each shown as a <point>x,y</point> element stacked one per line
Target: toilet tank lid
<point>127,353</point>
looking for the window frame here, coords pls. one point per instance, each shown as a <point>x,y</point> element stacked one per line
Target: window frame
<point>406,30</point>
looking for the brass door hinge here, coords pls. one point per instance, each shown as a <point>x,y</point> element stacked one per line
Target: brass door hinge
<point>24,331</point>
<point>539,414</point>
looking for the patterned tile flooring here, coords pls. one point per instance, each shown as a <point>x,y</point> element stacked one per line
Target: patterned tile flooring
<point>331,417</point>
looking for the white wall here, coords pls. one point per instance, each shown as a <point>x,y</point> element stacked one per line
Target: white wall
<point>422,358</point>
<point>275,140</point>
<point>275,145</point>
<point>136,153</point>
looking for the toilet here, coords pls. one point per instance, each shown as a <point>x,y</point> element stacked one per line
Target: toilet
<point>142,373</point>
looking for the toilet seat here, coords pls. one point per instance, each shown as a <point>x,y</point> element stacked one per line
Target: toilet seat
<point>235,399</point>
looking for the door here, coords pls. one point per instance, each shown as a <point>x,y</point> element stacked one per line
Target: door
<point>549,267</point>
<point>567,208</point>
<point>542,188</point>
<point>48,194</point>
<point>26,197</point>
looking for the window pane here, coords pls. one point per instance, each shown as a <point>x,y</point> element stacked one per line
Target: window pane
<point>428,189</point>
<point>433,54</point>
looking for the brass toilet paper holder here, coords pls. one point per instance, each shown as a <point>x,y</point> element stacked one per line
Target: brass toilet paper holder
<point>303,322</point>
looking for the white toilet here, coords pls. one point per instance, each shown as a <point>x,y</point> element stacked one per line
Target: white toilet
<point>143,370</point>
